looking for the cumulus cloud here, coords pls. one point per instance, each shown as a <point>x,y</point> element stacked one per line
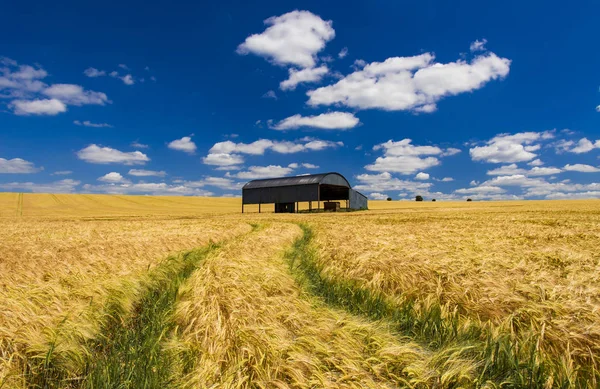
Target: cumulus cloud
<point>255,172</point>
<point>146,173</point>
<point>447,179</point>
<point>378,196</point>
<point>72,94</point>
<point>223,159</point>
<point>506,148</point>
<point>62,173</point>
<point>309,166</point>
<point>422,176</point>
<point>63,186</point>
<point>578,167</point>
<point>478,45</point>
<point>127,79</point>
<point>93,72</point>
<point>150,188</point>
<point>584,145</point>
<point>483,189</point>
<point>513,169</point>
<point>325,121</point>
<point>38,107</point>
<point>406,158</point>
<point>386,182</point>
<point>410,83</point>
<point>104,155</point>
<point>535,162</point>
<point>343,52</point>
<point>304,75</point>
<point>87,123</point>
<point>293,38</point>
<point>113,178</point>
<point>184,144</point>
<point>539,187</point>
<point>17,166</point>
<point>227,153</point>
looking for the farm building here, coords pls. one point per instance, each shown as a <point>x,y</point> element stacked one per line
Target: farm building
<point>287,192</point>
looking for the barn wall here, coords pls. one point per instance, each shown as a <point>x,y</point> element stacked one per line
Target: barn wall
<point>358,200</point>
<point>281,194</point>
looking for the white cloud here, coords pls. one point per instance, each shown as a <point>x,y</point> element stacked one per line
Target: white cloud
<point>17,166</point>
<point>63,186</point>
<point>113,178</point>
<point>304,75</point>
<point>114,73</point>
<point>512,169</point>
<point>146,173</point>
<point>403,157</point>
<point>38,107</point>
<point>223,159</point>
<point>422,176</point>
<point>447,179</point>
<point>378,196</point>
<point>478,45</point>
<point>127,79</point>
<point>138,145</point>
<point>506,148</point>
<point>325,121</point>
<point>585,145</point>
<point>543,171</point>
<point>309,166</point>
<point>72,94</point>
<point>218,182</point>
<point>227,153</point>
<point>506,170</point>
<point>293,38</point>
<point>62,173</point>
<point>270,95</point>
<point>87,123</point>
<point>184,144</point>
<point>123,66</point>
<point>20,82</point>
<point>538,187</point>
<point>385,182</point>
<point>93,72</point>
<point>598,108</point>
<point>103,155</point>
<point>484,189</point>
<point>255,172</point>
<point>535,162</point>
<point>578,167</point>
<point>343,52</point>
<point>410,83</point>
<point>151,188</point>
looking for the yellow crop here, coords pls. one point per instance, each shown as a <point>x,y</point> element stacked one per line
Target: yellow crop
<point>407,294</point>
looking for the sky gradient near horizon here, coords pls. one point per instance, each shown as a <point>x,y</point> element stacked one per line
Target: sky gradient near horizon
<point>447,101</point>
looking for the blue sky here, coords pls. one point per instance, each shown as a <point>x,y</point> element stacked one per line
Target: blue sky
<point>448,101</point>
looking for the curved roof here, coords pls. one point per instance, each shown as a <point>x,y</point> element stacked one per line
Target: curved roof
<point>311,179</point>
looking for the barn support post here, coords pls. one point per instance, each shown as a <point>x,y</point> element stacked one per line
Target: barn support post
<point>318,197</point>
<point>258,207</point>
<point>242,207</point>
<point>310,205</point>
<point>297,207</point>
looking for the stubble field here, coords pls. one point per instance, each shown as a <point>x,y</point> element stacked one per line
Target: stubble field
<point>139,291</point>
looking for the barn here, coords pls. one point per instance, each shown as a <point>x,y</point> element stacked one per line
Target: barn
<point>287,192</point>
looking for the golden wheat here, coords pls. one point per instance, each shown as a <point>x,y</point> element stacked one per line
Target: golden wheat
<point>407,294</point>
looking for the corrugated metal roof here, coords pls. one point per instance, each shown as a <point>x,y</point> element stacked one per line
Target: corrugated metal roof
<point>310,179</point>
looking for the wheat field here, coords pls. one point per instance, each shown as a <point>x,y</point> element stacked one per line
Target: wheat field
<point>186,292</point>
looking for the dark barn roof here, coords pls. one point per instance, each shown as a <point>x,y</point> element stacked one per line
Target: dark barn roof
<point>311,179</point>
